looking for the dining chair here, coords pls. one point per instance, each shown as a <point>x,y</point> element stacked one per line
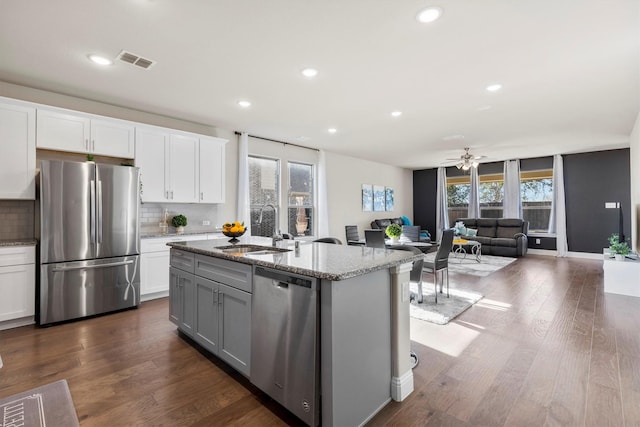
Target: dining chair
<point>440,263</point>
<point>333,240</point>
<point>352,233</point>
<point>411,232</point>
<point>374,238</point>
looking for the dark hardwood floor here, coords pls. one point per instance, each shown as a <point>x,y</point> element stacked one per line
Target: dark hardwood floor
<point>545,346</point>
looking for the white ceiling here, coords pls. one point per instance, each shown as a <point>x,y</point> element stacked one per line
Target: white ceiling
<point>570,70</point>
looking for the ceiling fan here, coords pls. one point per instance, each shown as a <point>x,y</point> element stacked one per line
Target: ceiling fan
<point>467,160</point>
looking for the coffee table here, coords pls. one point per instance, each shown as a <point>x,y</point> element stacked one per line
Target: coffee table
<point>460,247</point>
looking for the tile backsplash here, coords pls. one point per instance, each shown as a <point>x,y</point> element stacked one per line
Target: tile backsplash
<point>151,214</point>
<point>17,219</point>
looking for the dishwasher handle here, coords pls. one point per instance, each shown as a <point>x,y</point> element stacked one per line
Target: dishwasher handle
<point>283,279</point>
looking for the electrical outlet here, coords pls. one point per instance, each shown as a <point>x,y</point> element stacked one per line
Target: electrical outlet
<point>206,222</point>
<point>537,241</point>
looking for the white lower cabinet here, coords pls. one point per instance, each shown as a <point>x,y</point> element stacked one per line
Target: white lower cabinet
<point>154,263</point>
<point>17,286</point>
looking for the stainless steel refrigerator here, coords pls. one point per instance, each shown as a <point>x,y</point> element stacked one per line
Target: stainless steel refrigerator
<point>89,239</point>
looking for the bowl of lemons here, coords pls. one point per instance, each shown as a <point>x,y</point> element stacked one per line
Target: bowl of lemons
<point>234,230</point>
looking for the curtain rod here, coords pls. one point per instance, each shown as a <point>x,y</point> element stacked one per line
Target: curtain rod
<point>279,142</point>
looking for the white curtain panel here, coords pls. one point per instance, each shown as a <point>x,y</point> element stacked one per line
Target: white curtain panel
<point>512,204</point>
<point>323,206</point>
<point>243,182</point>
<point>474,201</point>
<point>558,220</point>
<point>442,214</point>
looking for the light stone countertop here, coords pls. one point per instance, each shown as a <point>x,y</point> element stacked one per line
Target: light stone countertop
<point>18,242</point>
<point>157,233</point>
<point>320,260</point>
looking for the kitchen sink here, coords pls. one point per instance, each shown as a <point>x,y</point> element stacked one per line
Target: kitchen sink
<point>251,249</point>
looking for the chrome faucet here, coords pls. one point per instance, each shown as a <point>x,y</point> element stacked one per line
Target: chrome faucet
<point>276,226</point>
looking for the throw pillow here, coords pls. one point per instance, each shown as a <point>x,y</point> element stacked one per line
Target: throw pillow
<point>405,220</point>
<point>471,232</point>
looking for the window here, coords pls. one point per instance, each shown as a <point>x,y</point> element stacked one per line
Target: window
<point>264,190</point>
<point>491,195</point>
<point>536,190</point>
<point>458,189</point>
<point>301,200</point>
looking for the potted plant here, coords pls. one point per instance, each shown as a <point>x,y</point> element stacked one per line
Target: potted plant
<point>179,222</point>
<point>619,250</point>
<point>393,231</point>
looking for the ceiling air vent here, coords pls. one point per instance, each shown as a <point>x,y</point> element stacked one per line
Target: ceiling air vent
<point>137,60</point>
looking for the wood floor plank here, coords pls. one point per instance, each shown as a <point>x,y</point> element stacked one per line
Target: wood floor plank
<point>604,407</point>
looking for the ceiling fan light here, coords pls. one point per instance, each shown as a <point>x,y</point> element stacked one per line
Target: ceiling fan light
<point>475,164</point>
<point>465,167</point>
<point>459,165</point>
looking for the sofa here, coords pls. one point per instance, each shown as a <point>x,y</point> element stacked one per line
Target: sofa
<point>499,236</point>
<point>384,223</point>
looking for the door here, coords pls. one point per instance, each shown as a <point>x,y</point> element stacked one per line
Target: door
<point>183,172</point>
<point>151,151</point>
<point>234,337</point>
<point>117,211</point>
<point>153,272</point>
<point>212,170</point>
<point>206,323</point>
<point>17,151</point>
<point>83,288</point>
<point>59,130</point>
<point>67,213</point>
<point>112,138</point>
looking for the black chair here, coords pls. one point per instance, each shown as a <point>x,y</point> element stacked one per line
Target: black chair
<point>286,236</point>
<point>441,261</point>
<point>333,240</point>
<point>411,232</point>
<point>374,238</point>
<point>352,234</point>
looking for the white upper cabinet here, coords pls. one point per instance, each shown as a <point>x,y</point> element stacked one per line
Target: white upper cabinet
<point>180,167</point>
<point>152,146</point>
<point>17,150</point>
<point>183,168</point>
<point>212,162</point>
<point>82,133</point>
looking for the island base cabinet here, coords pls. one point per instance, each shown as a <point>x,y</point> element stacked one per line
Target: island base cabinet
<point>223,322</point>
<point>181,300</point>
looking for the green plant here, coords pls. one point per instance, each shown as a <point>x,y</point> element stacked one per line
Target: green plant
<point>90,157</point>
<point>179,221</point>
<point>613,239</point>
<point>620,248</point>
<point>393,230</point>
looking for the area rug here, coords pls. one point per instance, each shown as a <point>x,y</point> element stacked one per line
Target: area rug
<point>49,405</point>
<point>446,309</point>
<point>488,264</point>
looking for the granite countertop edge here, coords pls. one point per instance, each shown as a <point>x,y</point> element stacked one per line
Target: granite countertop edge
<point>18,242</point>
<point>297,270</point>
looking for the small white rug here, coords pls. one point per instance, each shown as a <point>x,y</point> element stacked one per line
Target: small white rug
<point>487,265</point>
<point>446,309</point>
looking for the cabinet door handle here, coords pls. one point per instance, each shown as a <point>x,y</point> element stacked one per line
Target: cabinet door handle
<point>93,145</point>
<point>215,296</point>
<point>171,194</point>
<point>201,196</point>
<point>86,144</point>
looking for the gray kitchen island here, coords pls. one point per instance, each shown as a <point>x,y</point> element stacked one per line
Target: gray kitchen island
<point>323,329</point>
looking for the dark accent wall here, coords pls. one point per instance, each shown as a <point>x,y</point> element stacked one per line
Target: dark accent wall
<point>425,186</point>
<point>590,180</point>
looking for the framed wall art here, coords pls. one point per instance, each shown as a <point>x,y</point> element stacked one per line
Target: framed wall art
<point>388,198</point>
<point>378,198</point>
<point>367,197</point>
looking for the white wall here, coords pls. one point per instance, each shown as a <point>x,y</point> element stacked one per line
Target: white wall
<point>634,142</point>
<point>345,176</point>
<point>218,214</point>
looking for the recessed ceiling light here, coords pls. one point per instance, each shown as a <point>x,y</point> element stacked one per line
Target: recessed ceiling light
<point>302,138</point>
<point>309,72</point>
<point>396,113</point>
<point>484,107</point>
<point>494,87</point>
<point>429,14</point>
<point>455,137</point>
<point>100,60</point>
<point>332,130</point>
<point>244,104</point>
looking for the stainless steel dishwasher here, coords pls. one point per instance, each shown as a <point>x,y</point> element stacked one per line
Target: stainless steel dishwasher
<point>284,341</point>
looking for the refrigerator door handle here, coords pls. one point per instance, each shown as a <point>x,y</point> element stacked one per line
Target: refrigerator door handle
<point>99,209</point>
<point>87,267</point>
<point>92,211</point>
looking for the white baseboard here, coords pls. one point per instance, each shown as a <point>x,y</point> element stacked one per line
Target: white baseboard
<point>16,323</point>
<point>155,295</point>
<point>401,387</point>
<point>553,253</point>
